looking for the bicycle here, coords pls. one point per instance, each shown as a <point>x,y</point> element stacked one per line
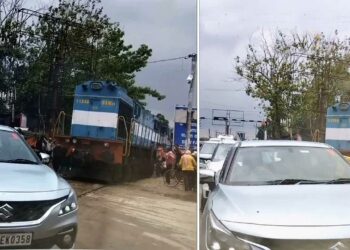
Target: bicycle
<point>174,176</point>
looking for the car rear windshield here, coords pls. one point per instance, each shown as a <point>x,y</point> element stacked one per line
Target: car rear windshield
<point>13,148</point>
<point>208,148</point>
<point>272,165</point>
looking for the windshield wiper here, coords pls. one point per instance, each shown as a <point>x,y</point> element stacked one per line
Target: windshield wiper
<point>339,181</point>
<point>294,182</point>
<point>21,161</point>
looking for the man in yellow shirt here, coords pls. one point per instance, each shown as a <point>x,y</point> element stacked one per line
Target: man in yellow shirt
<point>188,166</point>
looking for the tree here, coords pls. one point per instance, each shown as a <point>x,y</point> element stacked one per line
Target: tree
<point>162,119</point>
<point>326,69</point>
<point>272,75</point>
<point>297,77</point>
<point>72,43</point>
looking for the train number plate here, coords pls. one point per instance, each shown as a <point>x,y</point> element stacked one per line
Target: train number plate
<point>16,239</point>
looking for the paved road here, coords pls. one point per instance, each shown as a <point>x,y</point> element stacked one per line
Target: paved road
<point>140,215</point>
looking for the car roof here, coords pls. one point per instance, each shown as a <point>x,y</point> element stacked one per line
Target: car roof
<point>212,141</point>
<point>228,141</point>
<point>6,128</point>
<point>268,143</point>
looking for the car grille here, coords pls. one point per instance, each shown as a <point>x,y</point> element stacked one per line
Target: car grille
<point>273,244</point>
<point>19,211</point>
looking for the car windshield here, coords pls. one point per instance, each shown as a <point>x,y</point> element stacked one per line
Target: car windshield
<point>13,149</point>
<point>208,148</point>
<point>221,152</point>
<point>281,165</point>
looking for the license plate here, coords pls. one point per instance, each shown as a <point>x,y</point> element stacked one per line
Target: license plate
<point>16,239</point>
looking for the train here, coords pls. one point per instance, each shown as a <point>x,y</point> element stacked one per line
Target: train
<point>112,136</point>
<point>338,127</point>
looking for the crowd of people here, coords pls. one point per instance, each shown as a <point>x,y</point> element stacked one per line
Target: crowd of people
<point>176,158</point>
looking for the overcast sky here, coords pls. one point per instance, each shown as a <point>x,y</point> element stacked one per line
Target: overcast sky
<point>168,27</point>
<point>228,26</point>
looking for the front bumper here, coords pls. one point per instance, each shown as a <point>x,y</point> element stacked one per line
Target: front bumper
<point>47,233</point>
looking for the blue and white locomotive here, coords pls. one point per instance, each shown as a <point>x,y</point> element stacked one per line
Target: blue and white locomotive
<point>112,136</point>
<point>338,127</point>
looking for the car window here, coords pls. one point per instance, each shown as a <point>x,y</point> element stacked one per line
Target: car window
<point>221,151</point>
<point>259,165</point>
<point>208,148</point>
<point>13,147</point>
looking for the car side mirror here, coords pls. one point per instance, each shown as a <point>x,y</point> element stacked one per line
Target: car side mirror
<point>45,158</point>
<point>205,190</point>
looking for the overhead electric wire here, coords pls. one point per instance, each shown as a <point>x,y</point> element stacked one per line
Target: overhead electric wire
<point>169,59</point>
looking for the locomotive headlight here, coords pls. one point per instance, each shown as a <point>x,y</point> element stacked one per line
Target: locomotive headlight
<point>69,205</point>
<point>106,144</point>
<point>74,140</point>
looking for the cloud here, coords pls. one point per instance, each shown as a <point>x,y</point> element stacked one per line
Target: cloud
<point>228,26</point>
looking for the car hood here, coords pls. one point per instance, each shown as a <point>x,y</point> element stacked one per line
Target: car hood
<point>215,165</point>
<point>283,205</point>
<point>32,182</point>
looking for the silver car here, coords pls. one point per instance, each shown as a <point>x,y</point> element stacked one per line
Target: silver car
<point>279,195</point>
<point>38,209</point>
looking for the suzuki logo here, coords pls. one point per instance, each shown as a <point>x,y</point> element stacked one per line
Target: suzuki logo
<point>338,246</point>
<point>5,212</point>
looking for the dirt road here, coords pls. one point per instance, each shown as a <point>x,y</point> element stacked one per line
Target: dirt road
<point>140,215</point>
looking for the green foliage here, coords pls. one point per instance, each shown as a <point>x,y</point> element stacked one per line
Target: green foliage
<point>296,77</point>
<point>68,44</point>
<point>162,119</point>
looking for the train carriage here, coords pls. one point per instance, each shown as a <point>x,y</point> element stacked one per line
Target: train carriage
<point>338,127</point>
<point>112,136</point>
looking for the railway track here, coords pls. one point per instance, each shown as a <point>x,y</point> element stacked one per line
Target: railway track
<point>83,188</point>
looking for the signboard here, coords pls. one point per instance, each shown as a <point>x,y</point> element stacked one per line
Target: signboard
<point>180,127</point>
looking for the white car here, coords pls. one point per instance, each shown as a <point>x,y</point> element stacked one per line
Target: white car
<point>206,151</point>
<point>208,148</point>
<point>207,172</point>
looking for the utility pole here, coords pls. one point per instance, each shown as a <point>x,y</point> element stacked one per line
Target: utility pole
<point>192,81</point>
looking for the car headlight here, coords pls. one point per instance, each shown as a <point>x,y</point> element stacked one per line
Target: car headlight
<point>218,237</point>
<point>69,205</point>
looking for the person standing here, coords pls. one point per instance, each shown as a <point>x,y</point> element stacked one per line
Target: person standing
<point>160,159</point>
<point>178,154</point>
<point>188,166</point>
<point>170,163</point>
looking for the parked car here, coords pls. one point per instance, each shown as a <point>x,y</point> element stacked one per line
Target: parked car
<point>214,165</point>
<point>279,195</point>
<point>38,209</point>
<point>208,148</point>
<point>206,151</point>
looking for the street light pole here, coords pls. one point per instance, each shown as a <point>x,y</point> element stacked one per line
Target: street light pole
<point>192,81</point>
